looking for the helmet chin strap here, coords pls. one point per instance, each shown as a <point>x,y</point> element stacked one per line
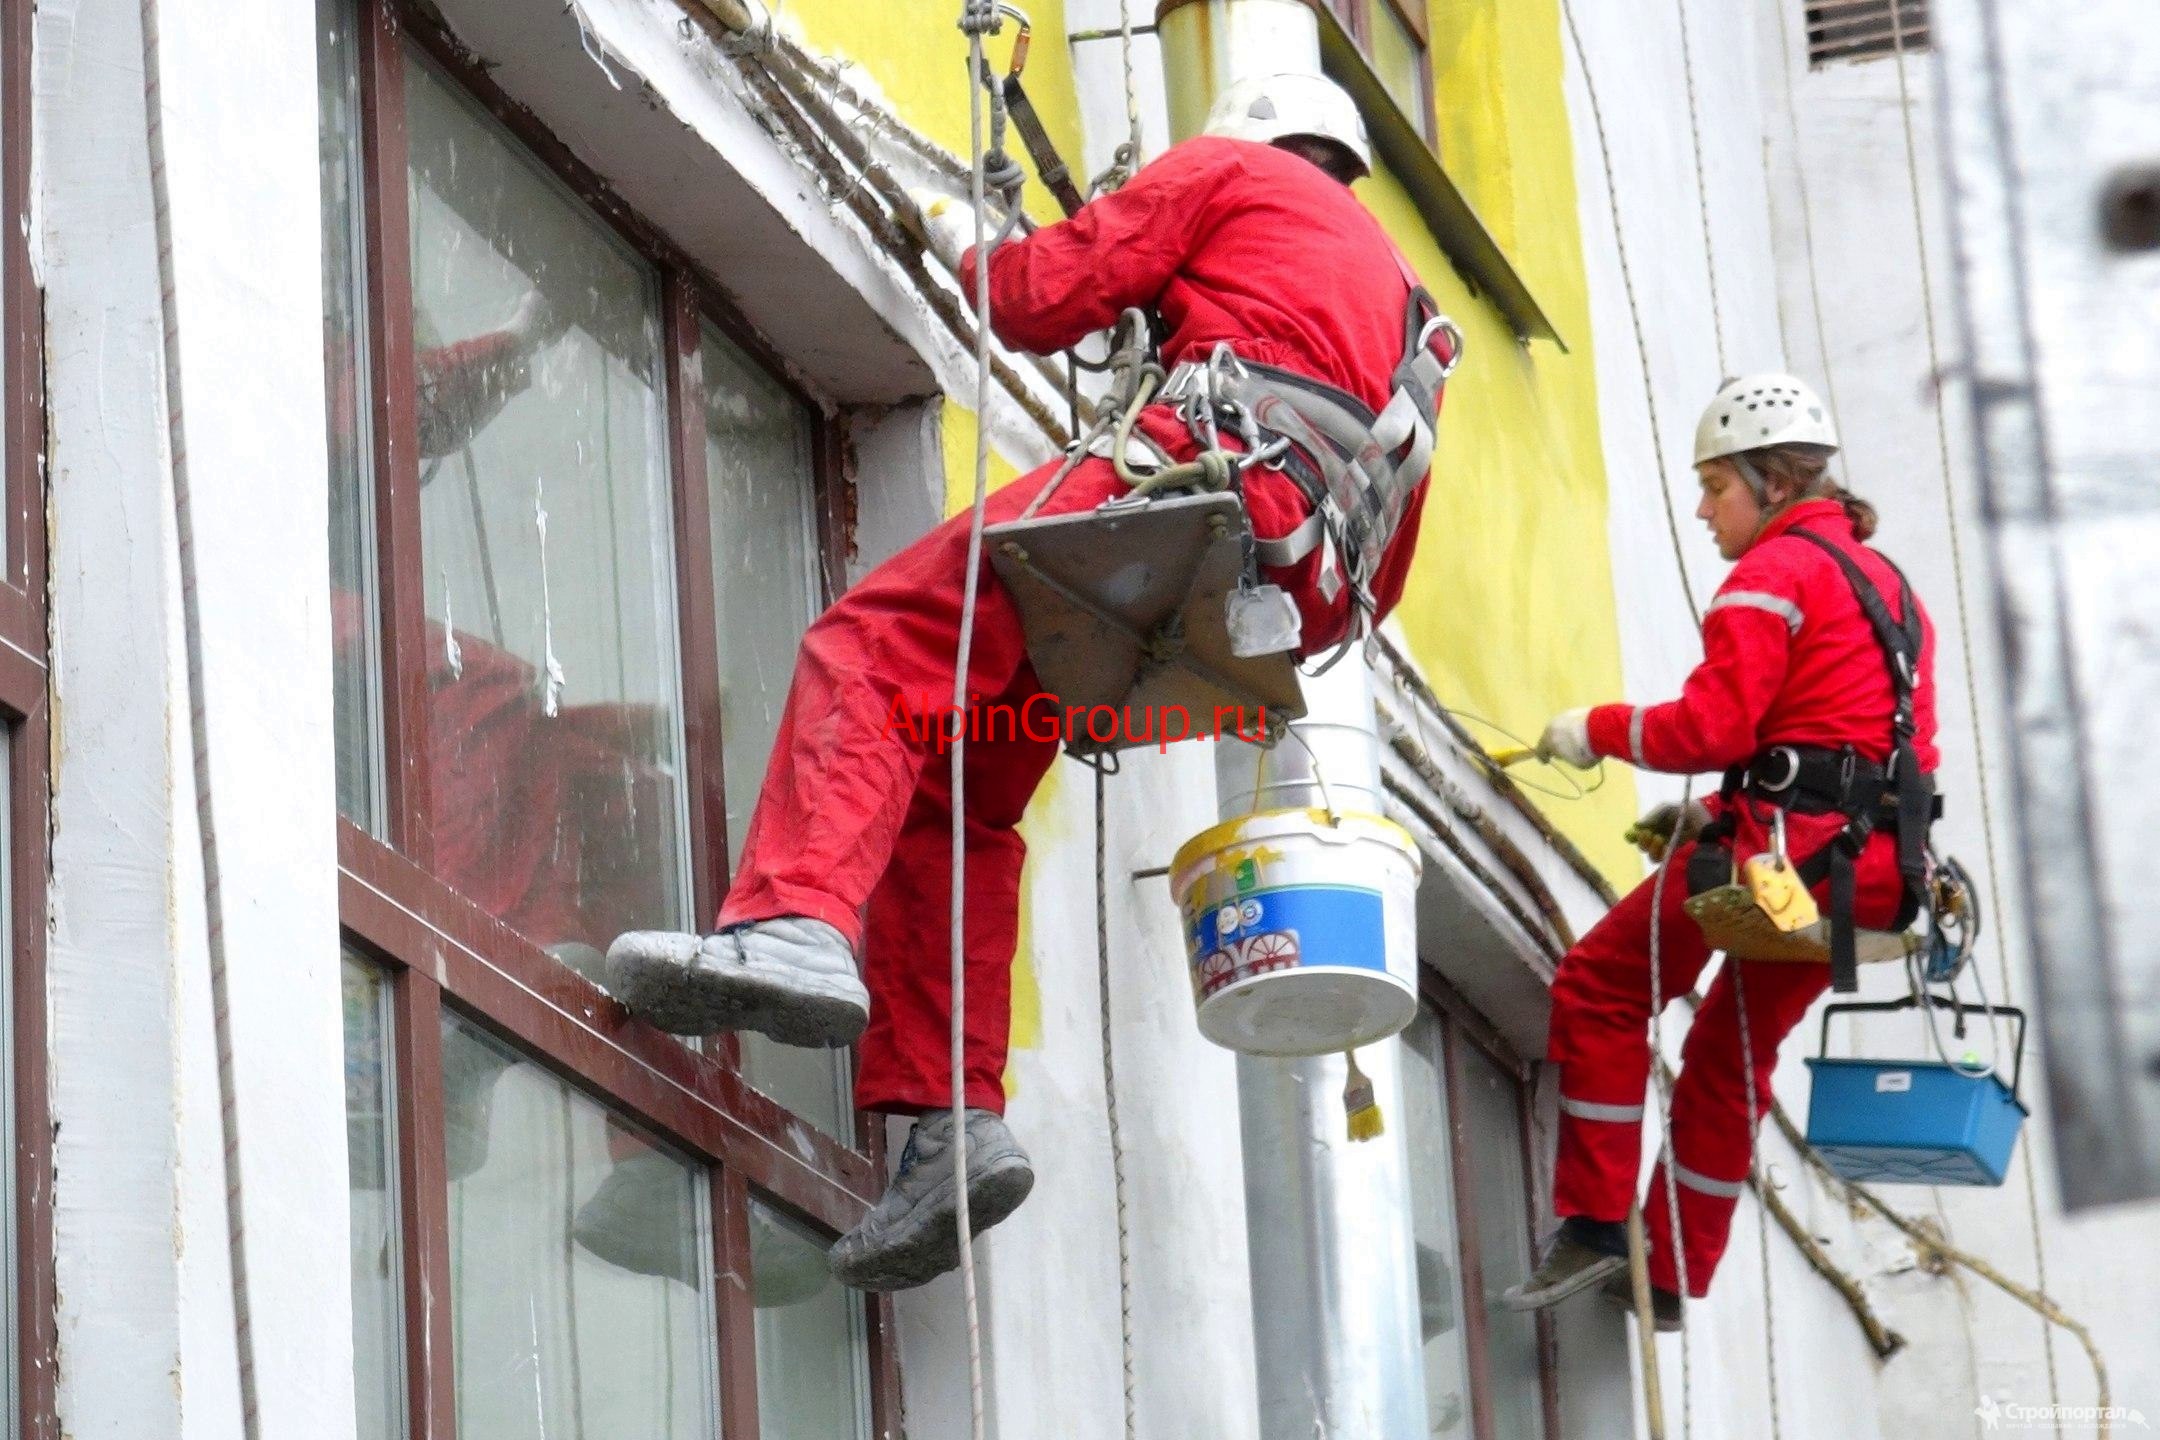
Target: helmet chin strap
<point>1753,477</point>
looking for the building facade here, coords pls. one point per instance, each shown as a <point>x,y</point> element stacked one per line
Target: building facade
<point>429,429</point>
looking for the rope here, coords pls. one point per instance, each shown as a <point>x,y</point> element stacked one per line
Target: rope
<point>1664,1115</point>
<point>1702,188</point>
<point>1117,1139</point>
<point>1627,284</point>
<point>1132,89</point>
<point>199,726</point>
<point>1957,572</point>
<point>1807,221</point>
<point>1762,1184</point>
<point>977,19</point>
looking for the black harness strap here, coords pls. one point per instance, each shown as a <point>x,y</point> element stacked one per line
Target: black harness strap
<point>1912,793</point>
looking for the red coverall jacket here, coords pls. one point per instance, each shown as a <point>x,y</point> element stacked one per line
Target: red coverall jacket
<point>1229,241</point>
<point>1788,658</point>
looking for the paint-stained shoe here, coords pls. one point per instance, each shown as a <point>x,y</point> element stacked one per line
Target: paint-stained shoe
<point>912,1235</point>
<point>1665,1305</point>
<point>1582,1253</point>
<point>792,978</point>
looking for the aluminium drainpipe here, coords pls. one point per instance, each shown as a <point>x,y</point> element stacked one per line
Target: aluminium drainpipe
<point>1336,1340</point>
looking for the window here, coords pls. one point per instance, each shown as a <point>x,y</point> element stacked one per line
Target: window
<point>577,530</point>
<point>1864,29</point>
<point>1488,1370</point>
<point>1393,37</point>
<point>26,1298</point>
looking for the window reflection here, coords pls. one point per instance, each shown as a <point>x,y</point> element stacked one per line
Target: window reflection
<point>580,1288</point>
<point>552,713</point>
<point>1433,1224</point>
<point>763,482</point>
<point>371,1148</point>
<point>811,1352</point>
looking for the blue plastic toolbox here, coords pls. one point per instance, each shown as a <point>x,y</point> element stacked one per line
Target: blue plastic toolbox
<point>1914,1122</point>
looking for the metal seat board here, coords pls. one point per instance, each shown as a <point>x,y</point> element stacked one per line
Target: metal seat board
<point>1125,606</point>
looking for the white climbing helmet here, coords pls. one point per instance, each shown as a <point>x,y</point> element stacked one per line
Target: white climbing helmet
<point>1267,108</point>
<point>1758,410</point>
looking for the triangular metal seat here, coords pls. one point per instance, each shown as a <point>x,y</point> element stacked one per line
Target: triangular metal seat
<point>1125,606</point>
<point>1731,921</point>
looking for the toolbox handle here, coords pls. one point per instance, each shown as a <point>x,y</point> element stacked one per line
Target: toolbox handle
<point>1963,1008</point>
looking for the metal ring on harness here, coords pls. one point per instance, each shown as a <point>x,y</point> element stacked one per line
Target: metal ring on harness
<point>1791,757</point>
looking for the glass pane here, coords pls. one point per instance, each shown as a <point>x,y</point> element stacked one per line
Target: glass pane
<point>546,534</point>
<point>759,466</point>
<point>1398,58</point>
<point>1432,1202</point>
<point>1492,1113</point>
<point>812,1357</point>
<point>580,1270</point>
<point>356,656</point>
<point>371,1148</point>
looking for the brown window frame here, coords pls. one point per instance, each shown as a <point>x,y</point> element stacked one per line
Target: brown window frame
<point>24,672</point>
<point>1356,18</point>
<point>1462,1026</point>
<point>440,950</point>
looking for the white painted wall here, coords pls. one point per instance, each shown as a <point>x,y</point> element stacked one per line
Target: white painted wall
<point>146,1307</point>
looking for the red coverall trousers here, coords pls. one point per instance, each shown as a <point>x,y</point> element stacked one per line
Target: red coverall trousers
<point>853,810</point>
<point>1599,1038</point>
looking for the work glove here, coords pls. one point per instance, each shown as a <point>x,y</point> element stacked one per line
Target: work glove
<point>1567,737</point>
<point>949,225</point>
<point>1667,825</point>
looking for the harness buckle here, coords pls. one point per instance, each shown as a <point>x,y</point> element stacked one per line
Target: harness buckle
<point>1790,756</point>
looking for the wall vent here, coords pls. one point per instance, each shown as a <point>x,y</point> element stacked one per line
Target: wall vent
<point>1864,29</point>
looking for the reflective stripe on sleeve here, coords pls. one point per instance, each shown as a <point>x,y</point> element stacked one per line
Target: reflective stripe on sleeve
<point>1703,1185</point>
<point>1634,736</point>
<point>1776,605</point>
<point>1590,1110</point>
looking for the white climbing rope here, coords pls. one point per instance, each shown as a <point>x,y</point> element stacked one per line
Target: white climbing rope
<point>1762,1181</point>
<point>1972,688</point>
<point>976,19</point>
<point>1664,1109</point>
<point>1132,89</point>
<point>1702,188</point>
<point>1117,1139</point>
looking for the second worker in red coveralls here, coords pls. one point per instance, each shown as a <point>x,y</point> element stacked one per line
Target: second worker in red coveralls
<point>1246,236</point>
<point>1794,687</point>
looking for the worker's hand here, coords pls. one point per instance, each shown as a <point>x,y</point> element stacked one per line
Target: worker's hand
<point>1667,825</point>
<point>948,225</point>
<point>536,324</point>
<point>1567,737</point>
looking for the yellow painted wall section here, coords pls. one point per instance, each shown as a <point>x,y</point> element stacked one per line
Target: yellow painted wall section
<point>1509,608</point>
<point>916,58</point>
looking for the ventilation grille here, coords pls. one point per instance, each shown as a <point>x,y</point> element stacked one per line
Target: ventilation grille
<point>1859,29</point>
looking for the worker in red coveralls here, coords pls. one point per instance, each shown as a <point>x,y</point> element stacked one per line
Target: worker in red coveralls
<point>1793,700</point>
<point>1248,236</point>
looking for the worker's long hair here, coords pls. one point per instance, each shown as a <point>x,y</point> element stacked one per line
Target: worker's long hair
<point>1792,473</point>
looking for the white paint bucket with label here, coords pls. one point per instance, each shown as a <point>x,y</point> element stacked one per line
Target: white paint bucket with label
<point>1301,933</point>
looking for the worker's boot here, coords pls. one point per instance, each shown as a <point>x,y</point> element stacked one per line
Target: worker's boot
<point>1581,1254</point>
<point>792,978</point>
<point>1665,1305</point>
<point>636,1220</point>
<point>912,1235</point>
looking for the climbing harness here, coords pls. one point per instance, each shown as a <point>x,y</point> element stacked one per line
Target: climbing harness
<point>1768,917</point>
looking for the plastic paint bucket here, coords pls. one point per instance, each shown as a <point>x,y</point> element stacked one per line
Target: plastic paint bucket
<point>1301,934</point>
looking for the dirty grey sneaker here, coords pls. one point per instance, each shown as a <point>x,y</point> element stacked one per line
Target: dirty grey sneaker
<point>792,978</point>
<point>912,1235</point>
<point>1665,1305</point>
<point>1581,1254</point>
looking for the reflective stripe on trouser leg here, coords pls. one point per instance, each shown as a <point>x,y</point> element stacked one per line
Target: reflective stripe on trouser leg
<point>1706,1211</point>
<point>1600,1040</point>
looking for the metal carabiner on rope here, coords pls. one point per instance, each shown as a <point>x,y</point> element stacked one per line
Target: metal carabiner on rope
<point>1441,324</point>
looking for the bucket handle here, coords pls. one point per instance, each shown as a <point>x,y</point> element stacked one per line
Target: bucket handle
<point>2017,1052</point>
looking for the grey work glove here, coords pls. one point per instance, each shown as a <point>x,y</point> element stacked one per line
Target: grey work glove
<point>1667,825</point>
